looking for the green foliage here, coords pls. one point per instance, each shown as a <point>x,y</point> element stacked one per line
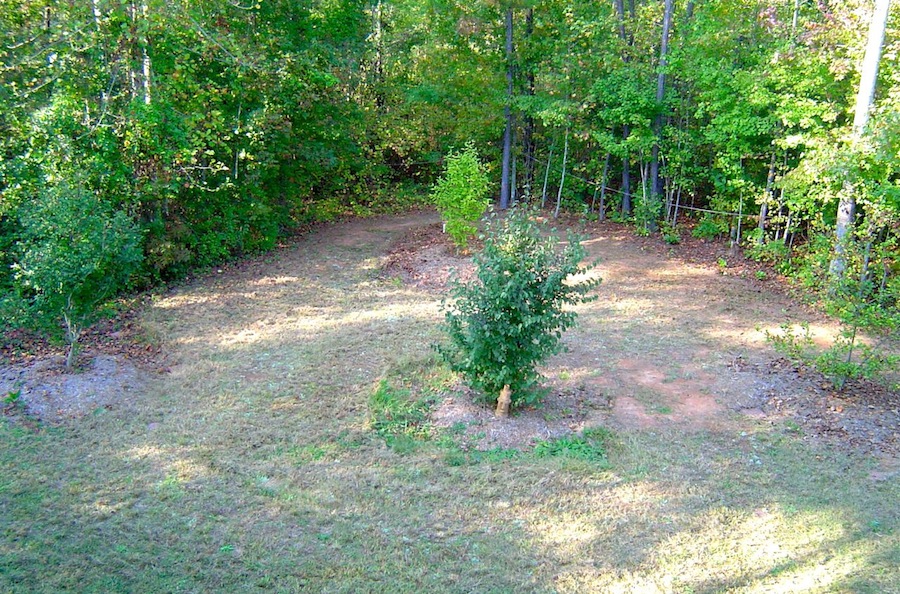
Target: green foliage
<point>791,342</point>
<point>647,209</point>
<point>849,359</point>
<point>461,194</point>
<point>769,250</point>
<point>512,316</point>
<point>846,359</point>
<point>76,252</point>
<point>590,446</point>
<point>670,233</point>
<point>709,228</point>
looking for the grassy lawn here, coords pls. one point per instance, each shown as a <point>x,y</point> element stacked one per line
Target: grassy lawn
<point>253,465</point>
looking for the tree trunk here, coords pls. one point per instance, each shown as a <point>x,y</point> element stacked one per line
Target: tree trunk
<point>145,54</point>
<point>768,197</point>
<point>794,20</point>
<point>546,179</point>
<point>869,74</point>
<point>626,129</point>
<point>864,99</point>
<point>620,11</point>
<point>507,112</point>
<point>503,402</point>
<point>513,186</point>
<point>378,67</point>
<point>601,213</point>
<point>562,179</point>
<point>626,181</point>
<point>528,133</point>
<point>139,66</point>
<point>655,185</point>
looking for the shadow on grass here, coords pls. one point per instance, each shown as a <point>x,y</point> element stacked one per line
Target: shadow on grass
<point>252,467</point>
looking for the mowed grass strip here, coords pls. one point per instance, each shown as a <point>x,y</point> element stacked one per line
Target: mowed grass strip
<point>254,465</point>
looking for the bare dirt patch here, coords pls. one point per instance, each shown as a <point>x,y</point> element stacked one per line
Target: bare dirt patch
<point>424,258</point>
<point>563,414</point>
<point>50,393</point>
<point>113,369</point>
<point>674,340</point>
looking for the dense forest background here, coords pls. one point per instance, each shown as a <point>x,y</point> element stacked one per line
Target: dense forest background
<point>143,139</point>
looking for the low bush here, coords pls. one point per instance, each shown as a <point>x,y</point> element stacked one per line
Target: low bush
<point>512,316</point>
<point>76,253</point>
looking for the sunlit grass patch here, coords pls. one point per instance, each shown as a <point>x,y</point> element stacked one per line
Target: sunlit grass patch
<point>400,404</point>
<point>261,465</point>
<point>589,446</point>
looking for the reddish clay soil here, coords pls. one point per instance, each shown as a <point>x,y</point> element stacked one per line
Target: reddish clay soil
<point>674,340</point>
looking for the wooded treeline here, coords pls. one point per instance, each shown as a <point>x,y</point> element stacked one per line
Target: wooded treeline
<point>216,126</point>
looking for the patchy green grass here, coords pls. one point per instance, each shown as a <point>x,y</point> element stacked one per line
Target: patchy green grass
<point>259,464</point>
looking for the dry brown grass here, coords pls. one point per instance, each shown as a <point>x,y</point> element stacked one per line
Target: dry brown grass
<point>252,465</point>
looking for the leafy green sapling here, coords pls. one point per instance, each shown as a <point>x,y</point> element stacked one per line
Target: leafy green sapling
<point>461,194</point>
<point>76,253</point>
<point>512,315</point>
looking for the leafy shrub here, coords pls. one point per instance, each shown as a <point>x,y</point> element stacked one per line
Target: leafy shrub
<point>709,228</point>
<point>76,252</point>
<point>670,233</point>
<point>646,211</point>
<point>461,194</point>
<point>791,343</point>
<point>845,359</point>
<point>511,317</point>
<point>771,251</point>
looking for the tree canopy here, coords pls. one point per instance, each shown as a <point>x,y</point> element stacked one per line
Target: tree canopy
<point>216,127</point>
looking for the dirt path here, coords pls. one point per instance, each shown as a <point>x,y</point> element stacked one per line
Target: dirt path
<point>251,463</point>
<point>667,345</point>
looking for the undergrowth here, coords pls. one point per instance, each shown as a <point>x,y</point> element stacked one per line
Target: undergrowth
<point>590,446</point>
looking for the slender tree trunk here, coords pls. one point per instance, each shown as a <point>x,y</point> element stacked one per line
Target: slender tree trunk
<point>146,68</point>
<point>601,213</point>
<point>528,133</point>
<point>620,11</point>
<point>513,187</point>
<point>655,185</point>
<point>642,167</point>
<point>562,179</point>
<point>626,129</point>
<point>378,67</point>
<point>864,99</point>
<point>677,205</point>
<point>768,197</point>
<point>546,179</point>
<point>787,229</point>
<point>139,65</point>
<point>869,75</point>
<point>626,180</point>
<point>507,112</point>
<point>794,20</point>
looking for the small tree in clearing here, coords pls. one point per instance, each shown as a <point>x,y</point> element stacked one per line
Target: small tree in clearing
<point>461,194</point>
<point>512,316</point>
<point>76,253</point>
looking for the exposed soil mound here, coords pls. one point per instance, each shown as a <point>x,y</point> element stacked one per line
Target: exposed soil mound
<point>49,392</point>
